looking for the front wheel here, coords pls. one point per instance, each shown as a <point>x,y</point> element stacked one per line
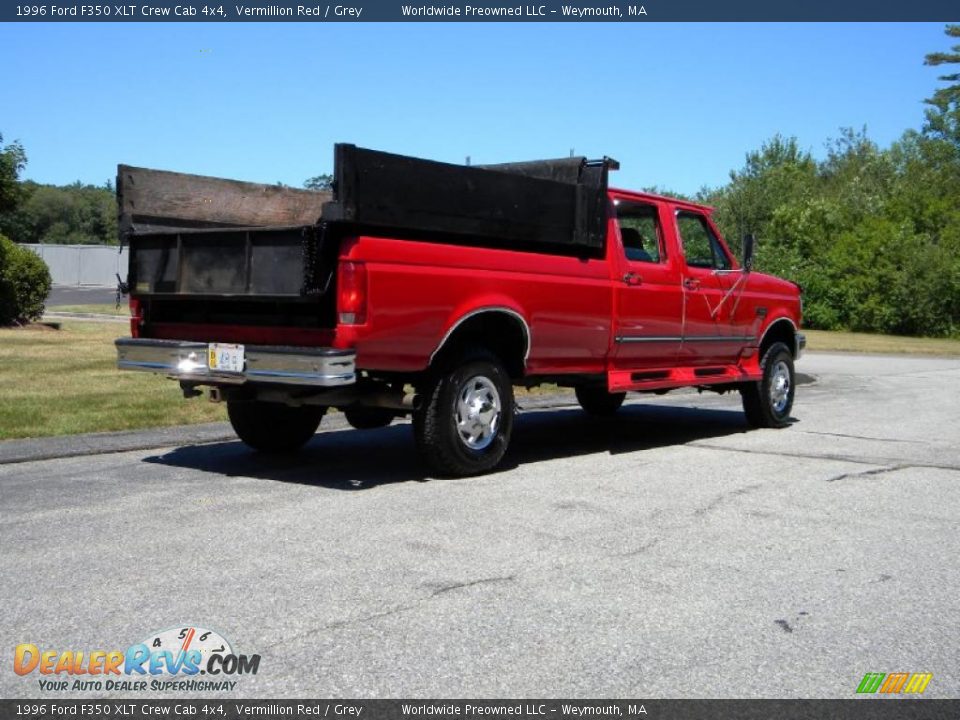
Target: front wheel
<point>274,427</point>
<point>767,403</point>
<point>464,425</point>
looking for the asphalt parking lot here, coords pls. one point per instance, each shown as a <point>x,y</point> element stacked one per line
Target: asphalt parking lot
<point>80,295</point>
<point>666,553</point>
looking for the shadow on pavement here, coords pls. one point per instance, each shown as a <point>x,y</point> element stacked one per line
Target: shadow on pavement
<point>357,460</point>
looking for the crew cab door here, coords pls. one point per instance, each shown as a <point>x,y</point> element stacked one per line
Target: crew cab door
<point>709,335</point>
<point>648,298</point>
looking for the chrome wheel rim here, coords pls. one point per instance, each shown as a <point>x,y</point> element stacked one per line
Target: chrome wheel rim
<point>478,412</point>
<point>780,387</point>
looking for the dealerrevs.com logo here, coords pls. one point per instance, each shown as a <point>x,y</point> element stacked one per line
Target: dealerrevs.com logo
<point>169,660</point>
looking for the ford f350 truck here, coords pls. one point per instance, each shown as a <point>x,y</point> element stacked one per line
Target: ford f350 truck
<point>428,289</point>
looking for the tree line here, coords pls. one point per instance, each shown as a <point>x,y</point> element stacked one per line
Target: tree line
<point>74,214</point>
<point>871,234</point>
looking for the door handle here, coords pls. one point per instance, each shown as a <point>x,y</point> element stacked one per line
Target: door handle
<point>632,279</point>
<point>691,283</point>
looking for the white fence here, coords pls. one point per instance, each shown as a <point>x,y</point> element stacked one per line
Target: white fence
<point>83,264</point>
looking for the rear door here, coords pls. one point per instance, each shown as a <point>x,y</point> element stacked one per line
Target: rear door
<point>648,297</point>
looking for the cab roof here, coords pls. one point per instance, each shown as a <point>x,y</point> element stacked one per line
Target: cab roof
<point>689,204</point>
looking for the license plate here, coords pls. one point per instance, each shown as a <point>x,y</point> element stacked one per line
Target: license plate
<point>225,358</point>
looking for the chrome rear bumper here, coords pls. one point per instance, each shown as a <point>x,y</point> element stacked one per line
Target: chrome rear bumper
<point>318,367</point>
<point>801,345</point>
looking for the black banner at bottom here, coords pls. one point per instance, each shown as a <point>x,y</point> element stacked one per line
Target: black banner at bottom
<point>875,708</point>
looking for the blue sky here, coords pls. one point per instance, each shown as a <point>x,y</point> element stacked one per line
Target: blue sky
<point>679,105</point>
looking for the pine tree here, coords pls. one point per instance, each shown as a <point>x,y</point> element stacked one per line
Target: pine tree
<point>943,119</point>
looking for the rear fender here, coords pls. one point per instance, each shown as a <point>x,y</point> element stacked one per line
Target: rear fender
<point>493,305</point>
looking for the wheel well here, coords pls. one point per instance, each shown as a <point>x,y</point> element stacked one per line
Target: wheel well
<point>502,333</point>
<point>780,331</point>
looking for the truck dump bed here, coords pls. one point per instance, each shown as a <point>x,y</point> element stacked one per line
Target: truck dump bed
<point>207,250</point>
<point>195,235</point>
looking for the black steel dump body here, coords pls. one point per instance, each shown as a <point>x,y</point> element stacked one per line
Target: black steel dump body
<point>544,205</point>
<point>211,250</point>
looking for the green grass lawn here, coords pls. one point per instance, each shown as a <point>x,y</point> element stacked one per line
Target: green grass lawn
<point>829,341</point>
<point>60,382</point>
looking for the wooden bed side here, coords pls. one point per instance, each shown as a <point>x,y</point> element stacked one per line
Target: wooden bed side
<point>158,199</point>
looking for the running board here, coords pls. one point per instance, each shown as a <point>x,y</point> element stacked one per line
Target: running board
<point>658,379</point>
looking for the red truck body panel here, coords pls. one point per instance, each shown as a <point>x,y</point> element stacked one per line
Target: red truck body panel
<point>419,290</point>
<point>574,308</point>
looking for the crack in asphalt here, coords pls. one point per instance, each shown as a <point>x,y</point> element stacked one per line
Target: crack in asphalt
<point>364,619</point>
<point>583,505</point>
<point>395,610</point>
<point>720,499</point>
<point>471,583</point>
<point>639,550</point>
<point>829,456</point>
<point>864,437</point>
<point>865,473</point>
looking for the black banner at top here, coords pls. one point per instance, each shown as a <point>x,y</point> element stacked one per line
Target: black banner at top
<point>213,11</point>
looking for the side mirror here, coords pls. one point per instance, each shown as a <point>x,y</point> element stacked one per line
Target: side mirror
<point>749,243</point>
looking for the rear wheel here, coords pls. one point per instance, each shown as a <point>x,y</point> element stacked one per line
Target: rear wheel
<point>597,401</point>
<point>274,427</point>
<point>464,424</point>
<point>767,403</point>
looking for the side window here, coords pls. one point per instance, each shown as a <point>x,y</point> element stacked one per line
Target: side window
<point>700,246</point>
<point>640,231</point>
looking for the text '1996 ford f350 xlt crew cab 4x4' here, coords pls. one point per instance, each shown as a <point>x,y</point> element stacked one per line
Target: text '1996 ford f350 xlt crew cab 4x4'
<point>428,289</point>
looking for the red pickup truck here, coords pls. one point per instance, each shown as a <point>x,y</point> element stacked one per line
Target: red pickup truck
<point>429,289</point>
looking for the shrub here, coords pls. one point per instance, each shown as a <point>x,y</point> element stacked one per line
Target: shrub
<point>24,283</point>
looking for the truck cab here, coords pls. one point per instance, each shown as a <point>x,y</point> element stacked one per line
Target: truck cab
<point>685,300</point>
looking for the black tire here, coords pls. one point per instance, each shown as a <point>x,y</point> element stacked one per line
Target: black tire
<point>597,401</point>
<point>767,403</point>
<point>368,418</point>
<point>273,427</point>
<point>474,387</point>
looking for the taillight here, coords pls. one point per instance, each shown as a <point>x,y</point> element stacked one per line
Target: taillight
<point>352,293</point>
<point>136,317</point>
